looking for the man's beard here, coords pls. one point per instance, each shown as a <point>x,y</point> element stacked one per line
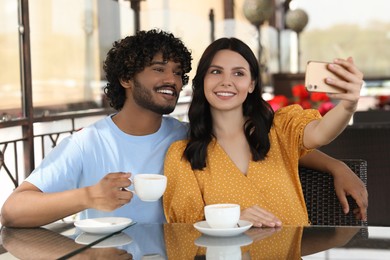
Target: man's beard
<point>143,97</point>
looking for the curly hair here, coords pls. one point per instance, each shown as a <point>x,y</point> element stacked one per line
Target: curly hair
<point>132,54</point>
<point>258,112</point>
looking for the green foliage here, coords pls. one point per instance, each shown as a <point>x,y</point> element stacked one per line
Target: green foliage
<point>369,46</point>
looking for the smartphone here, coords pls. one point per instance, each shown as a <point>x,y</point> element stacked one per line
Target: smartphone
<point>316,73</point>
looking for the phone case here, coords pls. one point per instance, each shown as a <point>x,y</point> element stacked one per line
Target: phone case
<point>316,73</point>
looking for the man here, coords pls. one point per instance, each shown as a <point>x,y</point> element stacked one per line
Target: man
<point>87,171</point>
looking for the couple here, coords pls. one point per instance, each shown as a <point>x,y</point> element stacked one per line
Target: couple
<point>234,137</point>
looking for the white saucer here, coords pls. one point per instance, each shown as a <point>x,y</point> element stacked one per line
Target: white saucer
<point>114,241</point>
<point>204,228</point>
<point>209,241</point>
<point>103,225</point>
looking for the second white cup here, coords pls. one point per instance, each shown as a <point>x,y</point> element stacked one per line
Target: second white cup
<point>222,215</point>
<point>149,187</point>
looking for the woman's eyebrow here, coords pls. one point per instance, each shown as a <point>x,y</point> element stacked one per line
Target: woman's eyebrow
<point>234,68</point>
<point>215,66</point>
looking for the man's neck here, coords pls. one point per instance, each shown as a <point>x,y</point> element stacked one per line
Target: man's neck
<point>135,123</point>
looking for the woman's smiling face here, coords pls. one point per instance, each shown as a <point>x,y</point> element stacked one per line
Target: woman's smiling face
<point>228,81</point>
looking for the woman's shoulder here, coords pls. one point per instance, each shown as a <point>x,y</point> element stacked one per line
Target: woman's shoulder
<point>295,110</point>
<point>177,147</point>
<point>288,109</point>
<point>174,158</point>
<point>179,143</point>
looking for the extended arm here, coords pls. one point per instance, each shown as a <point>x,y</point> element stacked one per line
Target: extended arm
<point>28,206</point>
<point>321,132</point>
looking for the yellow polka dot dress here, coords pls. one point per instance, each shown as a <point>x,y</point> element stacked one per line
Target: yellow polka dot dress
<point>272,184</point>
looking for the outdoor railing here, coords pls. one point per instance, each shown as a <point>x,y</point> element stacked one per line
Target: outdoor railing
<point>48,132</point>
<point>12,154</point>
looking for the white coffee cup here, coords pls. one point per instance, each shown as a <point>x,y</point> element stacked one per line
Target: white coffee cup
<point>222,215</point>
<point>149,187</point>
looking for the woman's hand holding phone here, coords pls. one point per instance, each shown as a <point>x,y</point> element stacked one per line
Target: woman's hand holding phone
<point>315,79</point>
<point>344,75</point>
<point>341,80</point>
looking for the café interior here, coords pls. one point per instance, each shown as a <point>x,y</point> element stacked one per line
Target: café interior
<point>52,83</point>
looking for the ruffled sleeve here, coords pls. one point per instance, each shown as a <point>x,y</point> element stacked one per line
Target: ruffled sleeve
<point>291,121</point>
<point>182,200</point>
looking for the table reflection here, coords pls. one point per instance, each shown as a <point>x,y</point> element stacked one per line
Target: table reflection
<point>225,247</point>
<point>42,243</point>
<point>179,241</point>
<point>27,243</point>
<point>113,241</point>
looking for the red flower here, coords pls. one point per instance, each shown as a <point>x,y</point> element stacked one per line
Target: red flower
<point>278,102</point>
<point>319,97</point>
<point>383,99</point>
<point>305,104</point>
<point>325,107</point>
<point>305,99</point>
<point>300,92</point>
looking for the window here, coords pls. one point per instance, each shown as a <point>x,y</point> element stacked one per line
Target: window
<point>64,52</point>
<point>10,87</point>
<point>360,29</point>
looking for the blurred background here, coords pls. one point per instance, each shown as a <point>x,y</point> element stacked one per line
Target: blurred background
<point>69,39</point>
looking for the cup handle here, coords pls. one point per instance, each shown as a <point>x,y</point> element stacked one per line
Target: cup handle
<point>131,185</point>
<point>127,189</point>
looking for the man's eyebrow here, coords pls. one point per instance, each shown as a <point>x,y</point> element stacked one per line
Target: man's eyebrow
<point>158,62</point>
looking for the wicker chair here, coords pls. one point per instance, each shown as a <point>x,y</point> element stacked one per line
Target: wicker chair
<point>321,201</point>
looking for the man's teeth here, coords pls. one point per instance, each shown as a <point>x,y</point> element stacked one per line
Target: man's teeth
<point>225,94</point>
<point>166,91</point>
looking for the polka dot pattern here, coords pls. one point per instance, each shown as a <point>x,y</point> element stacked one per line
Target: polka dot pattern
<point>282,244</point>
<point>272,183</point>
<point>180,243</point>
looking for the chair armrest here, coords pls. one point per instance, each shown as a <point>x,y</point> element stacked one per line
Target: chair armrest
<point>322,203</point>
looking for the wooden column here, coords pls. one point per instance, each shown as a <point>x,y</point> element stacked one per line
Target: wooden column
<point>26,84</point>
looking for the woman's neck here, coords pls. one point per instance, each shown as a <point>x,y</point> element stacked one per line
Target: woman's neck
<point>227,123</point>
<point>228,128</point>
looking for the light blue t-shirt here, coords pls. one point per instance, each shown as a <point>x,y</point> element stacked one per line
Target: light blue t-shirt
<point>85,157</point>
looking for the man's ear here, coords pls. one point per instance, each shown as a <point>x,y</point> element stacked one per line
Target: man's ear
<point>126,83</point>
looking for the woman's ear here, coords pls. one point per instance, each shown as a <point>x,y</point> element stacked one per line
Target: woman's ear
<point>126,83</point>
<point>252,87</point>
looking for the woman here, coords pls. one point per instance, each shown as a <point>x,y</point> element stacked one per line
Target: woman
<point>238,150</point>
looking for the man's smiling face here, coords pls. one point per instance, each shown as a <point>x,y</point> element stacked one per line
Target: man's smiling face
<point>158,86</point>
